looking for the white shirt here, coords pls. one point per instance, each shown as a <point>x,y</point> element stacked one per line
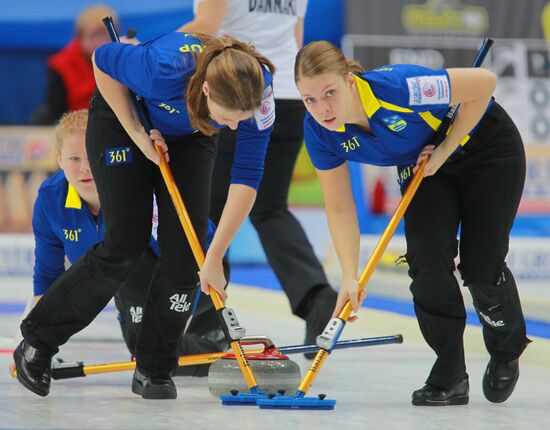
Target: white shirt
<point>270,26</point>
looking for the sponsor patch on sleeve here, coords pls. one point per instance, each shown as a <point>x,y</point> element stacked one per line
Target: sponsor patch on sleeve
<point>428,90</point>
<point>265,114</point>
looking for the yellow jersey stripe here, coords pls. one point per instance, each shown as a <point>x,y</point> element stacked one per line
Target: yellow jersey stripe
<point>368,99</point>
<point>393,107</point>
<point>73,200</point>
<point>431,120</point>
<point>465,140</point>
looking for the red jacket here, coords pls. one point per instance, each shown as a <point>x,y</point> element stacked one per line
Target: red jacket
<point>77,74</point>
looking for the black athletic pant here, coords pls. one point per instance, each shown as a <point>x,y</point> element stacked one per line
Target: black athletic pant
<point>125,190</point>
<point>130,302</point>
<point>284,241</point>
<point>479,190</point>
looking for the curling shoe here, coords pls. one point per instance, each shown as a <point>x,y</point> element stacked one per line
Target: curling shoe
<point>430,395</point>
<point>321,305</point>
<point>34,368</point>
<point>500,380</point>
<point>153,387</point>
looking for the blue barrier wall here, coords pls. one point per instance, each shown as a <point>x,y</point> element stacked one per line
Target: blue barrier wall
<point>32,30</point>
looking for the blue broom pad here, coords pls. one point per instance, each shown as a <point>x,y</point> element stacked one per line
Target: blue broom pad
<point>303,403</point>
<point>243,399</point>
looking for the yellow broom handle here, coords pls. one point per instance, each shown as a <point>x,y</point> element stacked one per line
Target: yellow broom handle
<point>344,314</point>
<point>196,247</point>
<point>188,360</point>
<point>184,360</point>
<point>386,236</point>
<point>183,215</point>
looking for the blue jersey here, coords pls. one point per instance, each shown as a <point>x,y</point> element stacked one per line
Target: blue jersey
<point>159,71</point>
<point>63,226</point>
<point>404,105</point>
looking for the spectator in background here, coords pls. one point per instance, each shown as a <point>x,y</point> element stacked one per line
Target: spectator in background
<point>70,82</point>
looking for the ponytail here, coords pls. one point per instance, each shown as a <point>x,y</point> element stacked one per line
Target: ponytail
<point>354,67</point>
<point>233,70</point>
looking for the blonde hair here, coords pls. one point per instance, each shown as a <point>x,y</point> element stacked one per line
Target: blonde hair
<point>93,15</point>
<point>323,57</point>
<point>233,70</point>
<point>70,123</point>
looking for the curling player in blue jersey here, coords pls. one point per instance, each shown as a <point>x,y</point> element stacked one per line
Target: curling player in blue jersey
<point>474,178</point>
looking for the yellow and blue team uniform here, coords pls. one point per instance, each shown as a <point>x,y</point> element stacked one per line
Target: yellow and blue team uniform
<point>404,104</point>
<point>478,189</point>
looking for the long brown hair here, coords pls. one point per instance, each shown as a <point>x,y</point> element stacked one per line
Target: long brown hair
<point>233,70</point>
<point>323,57</point>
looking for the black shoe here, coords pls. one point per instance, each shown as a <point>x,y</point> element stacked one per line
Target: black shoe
<point>500,380</point>
<point>34,368</point>
<point>318,314</point>
<point>152,387</point>
<point>430,395</point>
<point>191,344</point>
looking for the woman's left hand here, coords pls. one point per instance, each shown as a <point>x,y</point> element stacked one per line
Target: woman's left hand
<point>211,276</point>
<point>436,160</point>
<point>435,156</point>
<point>427,151</point>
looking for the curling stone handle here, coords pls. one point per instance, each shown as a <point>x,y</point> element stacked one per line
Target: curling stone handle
<point>258,340</point>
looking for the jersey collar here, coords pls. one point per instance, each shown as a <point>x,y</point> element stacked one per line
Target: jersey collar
<point>73,200</point>
<point>368,100</point>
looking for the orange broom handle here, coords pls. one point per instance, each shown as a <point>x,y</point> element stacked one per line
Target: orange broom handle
<point>344,314</point>
<point>198,252</point>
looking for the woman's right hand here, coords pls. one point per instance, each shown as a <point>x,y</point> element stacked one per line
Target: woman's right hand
<point>146,144</point>
<point>349,291</point>
<point>211,276</point>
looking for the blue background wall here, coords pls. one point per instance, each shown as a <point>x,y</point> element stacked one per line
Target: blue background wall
<point>31,30</point>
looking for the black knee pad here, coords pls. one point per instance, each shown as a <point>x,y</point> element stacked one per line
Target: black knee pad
<point>496,304</point>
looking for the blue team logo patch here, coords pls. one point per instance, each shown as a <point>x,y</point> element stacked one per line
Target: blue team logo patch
<point>116,156</point>
<point>395,122</point>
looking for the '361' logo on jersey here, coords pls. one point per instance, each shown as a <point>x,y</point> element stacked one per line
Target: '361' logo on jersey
<point>71,235</point>
<point>350,144</point>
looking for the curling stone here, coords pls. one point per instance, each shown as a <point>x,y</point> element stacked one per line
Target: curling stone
<point>274,371</point>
